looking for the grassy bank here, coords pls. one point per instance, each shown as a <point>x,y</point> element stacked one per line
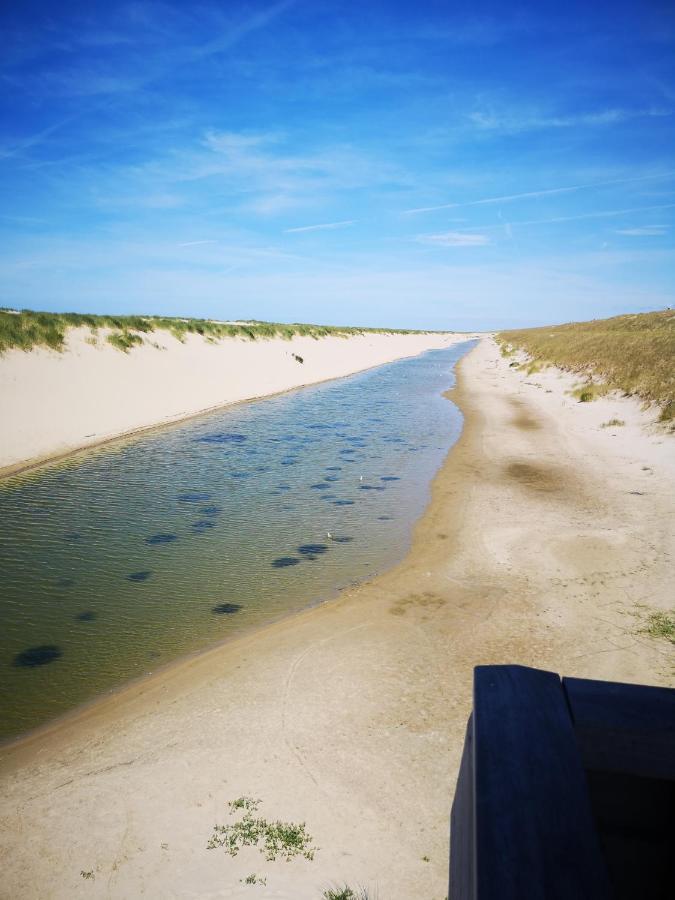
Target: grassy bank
<point>26,329</point>
<point>634,354</point>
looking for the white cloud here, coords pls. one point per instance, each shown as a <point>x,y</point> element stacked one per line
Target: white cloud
<point>323,227</point>
<point>160,200</point>
<point>232,142</point>
<point>196,243</point>
<point>454,239</point>
<point>645,231</point>
<point>517,122</point>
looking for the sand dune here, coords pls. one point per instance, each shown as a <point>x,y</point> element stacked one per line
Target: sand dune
<point>54,403</point>
<point>544,535</point>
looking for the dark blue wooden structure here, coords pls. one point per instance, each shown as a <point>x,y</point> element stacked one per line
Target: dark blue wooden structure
<point>566,790</point>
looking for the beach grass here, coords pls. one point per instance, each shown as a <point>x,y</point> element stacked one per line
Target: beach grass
<point>634,354</point>
<point>26,329</point>
<point>346,893</point>
<point>660,625</point>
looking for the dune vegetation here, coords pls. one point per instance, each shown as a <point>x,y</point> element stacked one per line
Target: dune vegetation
<point>634,354</point>
<point>25,329</point>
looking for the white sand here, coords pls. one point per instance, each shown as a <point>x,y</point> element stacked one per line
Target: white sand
<point>544,534</point>
<point>54,403</point>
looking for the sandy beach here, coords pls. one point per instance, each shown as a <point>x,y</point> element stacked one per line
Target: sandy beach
<point>547,542</point>
<point>91,393</point>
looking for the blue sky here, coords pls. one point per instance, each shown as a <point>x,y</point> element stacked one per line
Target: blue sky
<point>427,164</point>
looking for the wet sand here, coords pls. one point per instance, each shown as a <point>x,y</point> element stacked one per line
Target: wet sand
<point>544,534</point>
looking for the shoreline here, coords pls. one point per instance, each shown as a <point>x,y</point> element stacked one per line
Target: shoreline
<point>534,549</point>
<point>27,375</point>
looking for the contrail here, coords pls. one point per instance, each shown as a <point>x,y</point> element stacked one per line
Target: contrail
<point>560,190</point>
<point>592,215</point>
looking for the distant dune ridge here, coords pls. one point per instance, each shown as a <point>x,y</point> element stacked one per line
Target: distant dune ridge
<point>68,382</point>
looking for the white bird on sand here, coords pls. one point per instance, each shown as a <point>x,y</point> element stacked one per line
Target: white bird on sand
<point>360,477</point>
<point>329,536</point>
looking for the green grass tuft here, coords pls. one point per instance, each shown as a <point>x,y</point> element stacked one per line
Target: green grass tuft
<point>254,879</point>
<point>124,340</point>
<point>590,391</point>
<point>660,625</point>
<point>345,893</point>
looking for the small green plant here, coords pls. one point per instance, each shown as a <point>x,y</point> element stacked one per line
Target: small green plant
<point>589,391</point>
<point>660,625</point>
<point>273,839</point>
<point>88,876</point>
<point>426,859</point>
<point>613,423</point>
<point>253,879</point>
<point>247,803</point>
<point>345,893</point>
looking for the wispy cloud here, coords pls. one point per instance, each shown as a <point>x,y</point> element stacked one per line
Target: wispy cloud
<point>196,243</point>
<point>454,239</point>
<point>34,139</point>
<point>599,214</point>
<point>479,31</point>
<point>513,123</point>
<point>543,193</point>
<point>645,231</point>
<point>266,173</point>
<point>322,227</point>
<point>136,200</point>
<point>225,42</point>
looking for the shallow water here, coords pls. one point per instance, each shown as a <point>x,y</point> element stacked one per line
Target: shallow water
<point>134,554</point>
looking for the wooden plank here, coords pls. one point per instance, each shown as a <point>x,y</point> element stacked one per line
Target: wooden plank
<point>462,885</point>
<point>627,728</point>
<point>534,831</point>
